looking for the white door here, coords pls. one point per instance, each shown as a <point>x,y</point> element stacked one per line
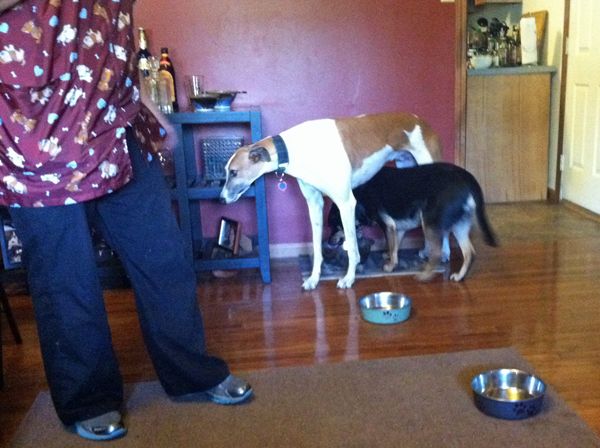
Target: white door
<point>581,170</point>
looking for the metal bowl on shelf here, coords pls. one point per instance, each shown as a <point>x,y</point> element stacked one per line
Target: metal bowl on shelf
<point>508,393</point>
<point>481,61</point>
<point>225,98</point>
<point>385,307</point>
<point>204,102</point>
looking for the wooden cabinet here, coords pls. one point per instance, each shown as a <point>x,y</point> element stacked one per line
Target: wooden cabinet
<point>508,135</point>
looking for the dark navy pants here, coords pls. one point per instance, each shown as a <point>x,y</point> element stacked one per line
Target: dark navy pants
<point>138,223</point>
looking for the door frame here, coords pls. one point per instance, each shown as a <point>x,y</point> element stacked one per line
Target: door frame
<point>554,197</point>
<point>460,82</point>
<point>460,93</point>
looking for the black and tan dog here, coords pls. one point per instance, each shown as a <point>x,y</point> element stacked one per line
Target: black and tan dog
<point>440,197</point>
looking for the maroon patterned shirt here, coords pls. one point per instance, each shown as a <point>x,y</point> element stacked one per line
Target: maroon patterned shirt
<point>68,91</point>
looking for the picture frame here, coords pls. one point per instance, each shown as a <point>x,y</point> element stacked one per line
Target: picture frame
<point>229,235</point>
<point>10,245</point>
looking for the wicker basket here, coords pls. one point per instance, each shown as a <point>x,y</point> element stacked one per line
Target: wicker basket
<point>215,155</point>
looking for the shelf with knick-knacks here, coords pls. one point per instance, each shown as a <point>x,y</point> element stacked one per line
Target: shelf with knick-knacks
<point>503,35</point>
<point>191,189</point>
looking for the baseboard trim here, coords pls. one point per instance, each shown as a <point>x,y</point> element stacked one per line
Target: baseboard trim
<point>289,250</point>
<point>293,250</point>
<point>581,210</point>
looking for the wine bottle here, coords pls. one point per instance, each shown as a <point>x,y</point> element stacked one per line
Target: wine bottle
<point>143,54</point>
<point>167,72</point>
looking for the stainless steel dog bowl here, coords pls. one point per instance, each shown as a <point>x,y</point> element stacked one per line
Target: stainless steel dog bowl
<point>508,393</point>
<point>385,307</point>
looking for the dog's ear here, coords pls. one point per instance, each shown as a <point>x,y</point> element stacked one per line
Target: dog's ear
<point>259,154</point>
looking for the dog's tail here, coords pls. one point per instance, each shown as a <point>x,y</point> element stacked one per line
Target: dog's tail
<point>488,234</point>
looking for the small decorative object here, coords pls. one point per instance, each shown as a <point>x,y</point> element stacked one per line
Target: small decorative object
<point>222,273</point>
<point>540,17</point>
<point>529,52</point>
<point>200,101</point>
<point>194,85</point>
<point>229,235</point>
<point>281,184</point>
<point>245,244</point>
<point>216,152</point>
<point>11,245</point>
<point>219,252</point>
<point>479,61</point>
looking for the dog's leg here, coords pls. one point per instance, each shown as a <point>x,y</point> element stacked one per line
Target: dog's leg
<point>314,200</point>
<point>434,239</point>
<point>347,210</point>
<point>446,249</point>
<point>424,253</point>
<point>393,236</point>
<point>461,232</point>
<point>399,237</point>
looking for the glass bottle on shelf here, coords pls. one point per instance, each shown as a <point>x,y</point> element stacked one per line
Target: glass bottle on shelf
<point>166,72</point>
<point>157,88</point>
<point>143,54</point>
<point>502,50</point>
<point>517,37</point>
<point>151,82</point>
<point>492,50</point>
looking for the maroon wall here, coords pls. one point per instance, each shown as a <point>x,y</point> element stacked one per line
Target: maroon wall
<point>308,59</point>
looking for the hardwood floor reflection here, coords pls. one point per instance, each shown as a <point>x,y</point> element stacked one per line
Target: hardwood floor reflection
<point>537,292</point>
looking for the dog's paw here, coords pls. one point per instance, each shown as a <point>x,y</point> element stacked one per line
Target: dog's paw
<point>346,282</point>
<point>310,283</point>
<point>425,276</point>
<point>389,267</point>
<point>456,277</point>
<point>424,255</point>
<point>445,258</point>
<point>336,238</point>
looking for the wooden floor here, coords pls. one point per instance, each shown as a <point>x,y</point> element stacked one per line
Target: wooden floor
<point>538,292</point>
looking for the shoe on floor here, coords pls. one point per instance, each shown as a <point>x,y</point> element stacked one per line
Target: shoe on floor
<point>232,390</point>
<point>107,426</point>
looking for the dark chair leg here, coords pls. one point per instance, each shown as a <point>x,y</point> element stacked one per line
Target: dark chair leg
<point>12,323</point>
<point>5,307</point>
<point>1,357</point>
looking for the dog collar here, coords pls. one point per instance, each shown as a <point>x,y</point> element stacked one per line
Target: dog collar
<point>282,161</point>
<point>282,153</point>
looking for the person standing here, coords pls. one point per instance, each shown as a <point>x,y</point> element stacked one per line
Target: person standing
<point>78,140</point>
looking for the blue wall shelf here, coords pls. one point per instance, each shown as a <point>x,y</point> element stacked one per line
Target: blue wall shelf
<point>188,192</point>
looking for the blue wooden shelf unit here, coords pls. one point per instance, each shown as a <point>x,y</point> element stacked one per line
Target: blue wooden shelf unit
<point>188,192</point>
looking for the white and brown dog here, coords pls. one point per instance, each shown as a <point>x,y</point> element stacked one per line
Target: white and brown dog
<point>331,157</point>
